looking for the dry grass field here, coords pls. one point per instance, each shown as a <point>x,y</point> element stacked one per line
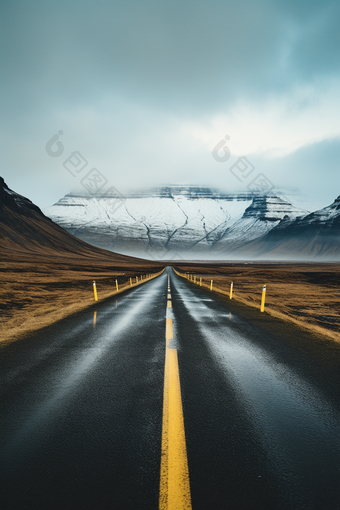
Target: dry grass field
<point>35,293</point>
<point>46,273</point>
<point>307,294</point>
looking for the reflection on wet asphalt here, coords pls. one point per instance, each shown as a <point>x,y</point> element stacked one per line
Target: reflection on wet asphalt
<point>81,407</point>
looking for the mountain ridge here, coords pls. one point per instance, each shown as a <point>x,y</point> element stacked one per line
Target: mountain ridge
<point>314,236</point>
<point>26,231</point>
<point>171,220</point>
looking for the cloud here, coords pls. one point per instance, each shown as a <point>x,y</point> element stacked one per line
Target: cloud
<point>193,55</point>
<point>146,89</point>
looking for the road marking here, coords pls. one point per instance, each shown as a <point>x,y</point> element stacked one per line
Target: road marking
<point>174,491</point>
<point>169,332</point>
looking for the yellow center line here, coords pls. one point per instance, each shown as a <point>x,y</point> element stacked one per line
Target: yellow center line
<point>168,332</point>
<point>174,491</point>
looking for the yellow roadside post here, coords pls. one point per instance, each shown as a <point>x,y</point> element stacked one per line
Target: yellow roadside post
<point>117,285</point>
<point>195,278</point>
<point>200,281</point>
<point>231,290</point>
<point>264,288</point>
<point>211,284</point>
<point>95,291</point>
<point>136,279</point>
<point>130,282</point>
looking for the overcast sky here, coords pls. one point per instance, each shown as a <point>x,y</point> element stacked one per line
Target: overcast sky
<point>144,90</point>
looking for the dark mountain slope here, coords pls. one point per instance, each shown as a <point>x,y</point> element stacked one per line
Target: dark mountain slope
<point>24,229</point>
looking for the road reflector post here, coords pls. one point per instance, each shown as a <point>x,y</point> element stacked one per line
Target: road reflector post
<point>200,281</point>
<point>117,285</point>
<point>95,291</point>
<point>130,282</point>
<point>195,278</point>
<point>231,290</point>
<point>136,279</point>
<point>264,288</point>
<point>211,283</point>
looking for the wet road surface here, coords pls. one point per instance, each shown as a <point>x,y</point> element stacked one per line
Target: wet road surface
<point>82,407</point>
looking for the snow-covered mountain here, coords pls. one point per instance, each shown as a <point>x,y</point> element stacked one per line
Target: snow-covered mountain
<point>193,222</point>
<point>315,236</point>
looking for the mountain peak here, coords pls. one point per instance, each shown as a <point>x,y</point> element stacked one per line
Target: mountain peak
<point>9,199</point>
<point>272,208</point>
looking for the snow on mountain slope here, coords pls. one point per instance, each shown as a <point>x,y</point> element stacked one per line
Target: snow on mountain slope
<point>315,236</point>
<point>301,201</point>
<point>187,220</point>
<point>264,213</point>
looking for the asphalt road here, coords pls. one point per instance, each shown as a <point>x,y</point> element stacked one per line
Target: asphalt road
<point>82,407</point>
